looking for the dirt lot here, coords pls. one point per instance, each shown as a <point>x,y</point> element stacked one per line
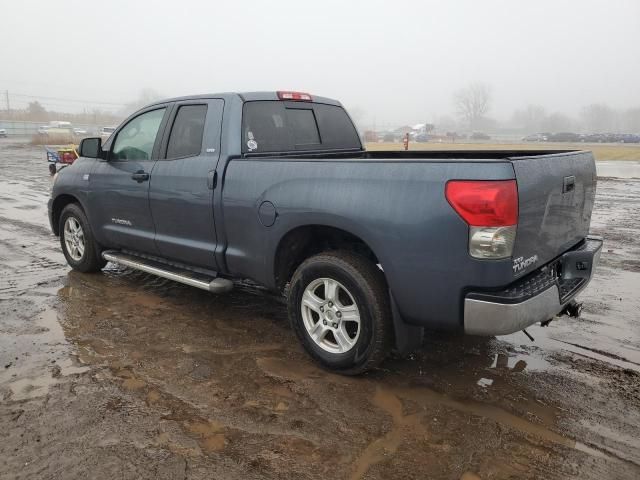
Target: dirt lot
<point>124,375</point>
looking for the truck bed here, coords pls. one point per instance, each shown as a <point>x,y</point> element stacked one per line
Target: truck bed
<point>416,155</point>
<point>395,202</point>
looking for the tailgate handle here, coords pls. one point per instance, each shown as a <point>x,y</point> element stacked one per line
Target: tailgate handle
<point>212,179</point>
<point>568,184</point>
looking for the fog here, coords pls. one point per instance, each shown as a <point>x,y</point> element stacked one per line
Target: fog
<point>391,63</point>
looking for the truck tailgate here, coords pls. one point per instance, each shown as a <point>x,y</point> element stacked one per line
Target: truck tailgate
<point>556,194</point>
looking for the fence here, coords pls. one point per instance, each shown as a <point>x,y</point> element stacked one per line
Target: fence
<point>31,128</point>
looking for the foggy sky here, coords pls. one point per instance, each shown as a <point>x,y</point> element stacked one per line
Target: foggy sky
<point>394,62</point>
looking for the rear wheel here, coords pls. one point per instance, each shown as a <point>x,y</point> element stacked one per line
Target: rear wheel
<point>339,307</point>
<point>79,247</point>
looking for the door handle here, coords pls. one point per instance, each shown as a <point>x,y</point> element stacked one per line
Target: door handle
<point>140,176</point>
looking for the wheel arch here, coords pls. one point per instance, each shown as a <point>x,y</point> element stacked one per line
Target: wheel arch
<point>303,241</point>
<point>58,205</point>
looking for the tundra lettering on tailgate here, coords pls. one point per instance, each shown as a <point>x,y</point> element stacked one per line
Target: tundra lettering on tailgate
<point>520,264</point>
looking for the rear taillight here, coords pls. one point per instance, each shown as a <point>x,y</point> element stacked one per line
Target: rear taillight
<point>297,96</point>
<point>490,208</point>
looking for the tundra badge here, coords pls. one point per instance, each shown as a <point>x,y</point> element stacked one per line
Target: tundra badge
<point>520,263</point>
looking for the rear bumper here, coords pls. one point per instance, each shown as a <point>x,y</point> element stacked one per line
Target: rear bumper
<point>536,298</point>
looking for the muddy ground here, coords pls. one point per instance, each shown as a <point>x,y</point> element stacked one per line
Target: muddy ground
<point>124,375</point>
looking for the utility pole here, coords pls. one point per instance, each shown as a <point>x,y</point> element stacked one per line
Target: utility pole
<point>6,94</point>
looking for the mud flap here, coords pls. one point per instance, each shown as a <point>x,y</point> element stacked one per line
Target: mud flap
<point>408,338</point>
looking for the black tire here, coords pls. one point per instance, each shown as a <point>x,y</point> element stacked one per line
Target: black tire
<point>52,169</point>
<point>90,259</point>
<point>366,285</point>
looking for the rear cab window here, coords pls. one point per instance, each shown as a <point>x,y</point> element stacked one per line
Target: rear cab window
<point>185,139</point>
<point>271,126</point>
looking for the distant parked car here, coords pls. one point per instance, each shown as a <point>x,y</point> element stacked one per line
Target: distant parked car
<point>43,129</point>
<point>3,133</point>
<point>106,132</point>
<point>60,129</point>
<point>536,137</point>
<point>630,138</point>
<point>594,138</point>
<point>480,136</point>
<point>454,135</point>
<point>80,131</point>
<point>564,137</point>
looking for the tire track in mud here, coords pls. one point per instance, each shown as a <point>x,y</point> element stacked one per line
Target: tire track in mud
<point>26,227</point>
<point>389,400</point>
<point>23,267</point>
<point>382,448</point>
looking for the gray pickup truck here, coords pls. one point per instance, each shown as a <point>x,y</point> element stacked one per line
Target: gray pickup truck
<point>369,248</point>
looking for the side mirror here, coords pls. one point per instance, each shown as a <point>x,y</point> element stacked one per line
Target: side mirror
<point>91,147</point>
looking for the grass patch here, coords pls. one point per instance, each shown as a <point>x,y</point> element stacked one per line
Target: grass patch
<point>60,139</point>
<point>600,151</point>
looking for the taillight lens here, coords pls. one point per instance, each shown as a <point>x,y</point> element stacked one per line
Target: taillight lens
<point>490,208</point>
<point>484,203</point>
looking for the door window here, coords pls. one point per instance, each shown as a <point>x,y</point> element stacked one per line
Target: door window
<point>187,131</point>
<point>136,139</point>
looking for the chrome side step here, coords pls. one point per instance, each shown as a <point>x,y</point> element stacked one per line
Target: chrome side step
<point>177,274</point>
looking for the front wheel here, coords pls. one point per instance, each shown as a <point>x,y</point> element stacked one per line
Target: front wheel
<point>339,307</point>
<point>79,247</point>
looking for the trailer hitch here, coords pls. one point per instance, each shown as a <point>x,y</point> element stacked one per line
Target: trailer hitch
<point>572,309</point>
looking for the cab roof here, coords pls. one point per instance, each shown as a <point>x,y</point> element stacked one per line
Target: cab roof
<point>245,97</point>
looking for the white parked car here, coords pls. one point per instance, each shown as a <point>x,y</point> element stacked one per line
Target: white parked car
<point>106,132</point>
<point>3,133</point>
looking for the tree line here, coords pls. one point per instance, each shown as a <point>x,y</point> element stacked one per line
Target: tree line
<point>473,103</point>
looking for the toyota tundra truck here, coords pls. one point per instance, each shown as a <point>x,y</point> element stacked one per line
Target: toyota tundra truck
<point>370,249</point>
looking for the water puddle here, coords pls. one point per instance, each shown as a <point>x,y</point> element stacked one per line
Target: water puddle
<point>626,169</point>
<point>32,372</point>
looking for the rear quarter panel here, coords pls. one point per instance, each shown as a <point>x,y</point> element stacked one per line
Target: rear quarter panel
<point>397,207</point>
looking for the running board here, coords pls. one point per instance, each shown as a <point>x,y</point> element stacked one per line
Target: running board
<point>177,274</point>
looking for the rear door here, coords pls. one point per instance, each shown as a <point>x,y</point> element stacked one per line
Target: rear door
<point>556,194</point>
<point>119,187</point>
<point>181,193</point>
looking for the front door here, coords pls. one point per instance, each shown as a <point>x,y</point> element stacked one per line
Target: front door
<point>181,192</point>
<point>119,186</point>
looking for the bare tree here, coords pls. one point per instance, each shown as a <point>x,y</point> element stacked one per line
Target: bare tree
<point>631,120</point>
<point>472,103</point>
<point>558,122</point>
<point>147,96</point>
<point>530,119</point>
<point>35,109</point>
<point>599,118</point>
